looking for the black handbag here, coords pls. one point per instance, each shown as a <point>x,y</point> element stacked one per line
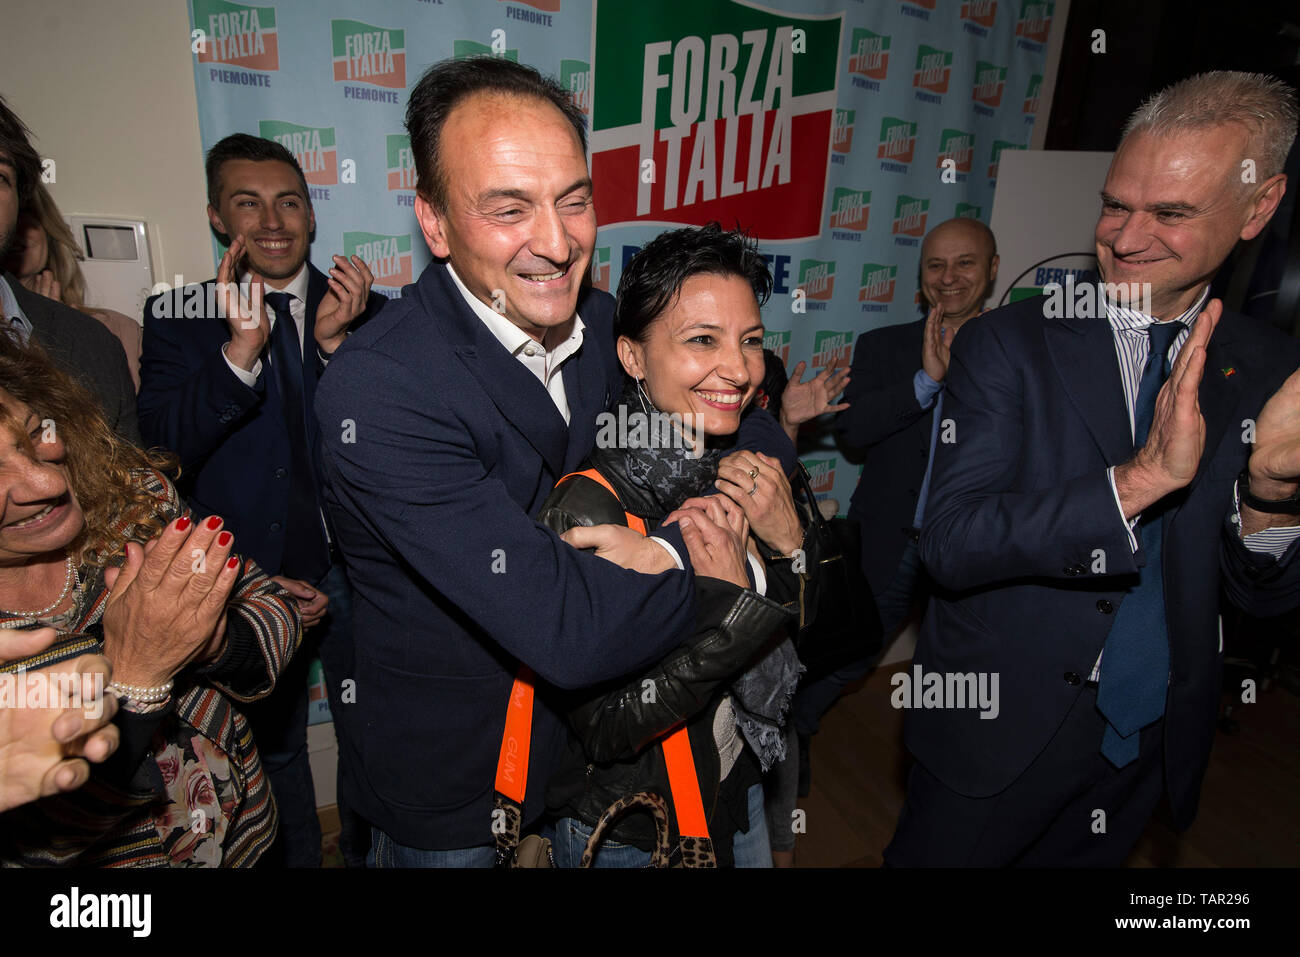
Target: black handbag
<point>845,626</point>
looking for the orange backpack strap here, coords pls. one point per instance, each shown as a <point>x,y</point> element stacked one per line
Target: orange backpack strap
<point>684,783</point>
<point>512,768</point>
<point>634,522</point>
<point>512,764</point>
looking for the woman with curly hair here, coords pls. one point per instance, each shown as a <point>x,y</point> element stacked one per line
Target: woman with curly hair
<point>45,258</point>
<point>95,542</point>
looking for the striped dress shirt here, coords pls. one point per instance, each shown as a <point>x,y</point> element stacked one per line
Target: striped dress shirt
<point>1132,347</point>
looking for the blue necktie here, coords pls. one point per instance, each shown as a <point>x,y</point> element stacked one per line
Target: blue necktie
<point>306,550</point>
<point>1135,664</point>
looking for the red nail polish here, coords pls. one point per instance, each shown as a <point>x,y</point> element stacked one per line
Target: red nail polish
<point>224,539</point>
<point>182,523</point>
<point>214,522</point>
<point>232,562</point>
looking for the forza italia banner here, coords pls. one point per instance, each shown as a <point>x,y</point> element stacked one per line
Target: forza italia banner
<point>838,132</point>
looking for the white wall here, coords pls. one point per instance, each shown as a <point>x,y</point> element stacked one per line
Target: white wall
<point>107,88</point>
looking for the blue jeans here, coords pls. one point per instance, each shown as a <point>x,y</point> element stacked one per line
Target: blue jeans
<point>385,852</point>
<point>750,848</point>
<point>895,603</point>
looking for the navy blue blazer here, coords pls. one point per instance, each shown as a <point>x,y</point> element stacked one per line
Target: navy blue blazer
<point>1021,518</point>
<point>884,417</point>
<point>439,448</point>
<point>231,438</point>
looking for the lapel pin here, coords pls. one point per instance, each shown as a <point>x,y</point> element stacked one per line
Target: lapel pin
<point>1231,370</point>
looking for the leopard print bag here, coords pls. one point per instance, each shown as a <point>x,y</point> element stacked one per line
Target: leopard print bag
<point>695,851</point>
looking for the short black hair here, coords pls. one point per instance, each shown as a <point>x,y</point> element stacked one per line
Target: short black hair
<point>15,140</point>
<point>653,278</point>
<point>447,83</point>
<point>243,146</point>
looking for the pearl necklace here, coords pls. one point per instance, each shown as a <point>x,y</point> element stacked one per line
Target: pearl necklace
<point>71,580</point>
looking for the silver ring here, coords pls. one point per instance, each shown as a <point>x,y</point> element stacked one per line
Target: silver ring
<point>754,489</point>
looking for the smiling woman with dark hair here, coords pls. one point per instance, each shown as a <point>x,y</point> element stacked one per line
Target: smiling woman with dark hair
<point>95,542</point>
<point>690,339</point>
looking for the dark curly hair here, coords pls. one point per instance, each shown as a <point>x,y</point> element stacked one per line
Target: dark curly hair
<point>99,463</point>
<point>653,278</point>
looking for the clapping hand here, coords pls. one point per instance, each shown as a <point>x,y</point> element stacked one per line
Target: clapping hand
<point>245,315</point>
<point>1275,462</point>
<point>349,288</point>
<point>936,345</point>
<point>167,601</point>
<point>45,745</point>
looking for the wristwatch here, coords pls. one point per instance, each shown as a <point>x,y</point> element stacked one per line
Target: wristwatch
<point>1286,506</point>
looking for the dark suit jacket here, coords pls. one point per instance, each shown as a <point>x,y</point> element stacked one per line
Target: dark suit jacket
<point>231,438</point>
<point>448,447</point>
<point>1021,512</point>
<point>83,347</point>
<point>884,416</point>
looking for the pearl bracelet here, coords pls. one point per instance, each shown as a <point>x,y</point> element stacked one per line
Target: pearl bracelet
<point>142,695</point>
<point>135,707</point>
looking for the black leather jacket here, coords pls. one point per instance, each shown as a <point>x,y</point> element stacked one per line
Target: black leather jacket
<point>618,725</point>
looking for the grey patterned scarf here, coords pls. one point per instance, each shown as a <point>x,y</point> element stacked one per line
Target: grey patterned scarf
<point>666,476</point>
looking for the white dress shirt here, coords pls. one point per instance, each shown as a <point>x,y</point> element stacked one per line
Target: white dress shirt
<point>297,288</point>
<point>537,359</point>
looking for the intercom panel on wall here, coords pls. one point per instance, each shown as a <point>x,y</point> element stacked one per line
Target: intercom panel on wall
<point>116,265</point>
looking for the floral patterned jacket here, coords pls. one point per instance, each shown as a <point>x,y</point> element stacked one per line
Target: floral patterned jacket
<point>195,793</point>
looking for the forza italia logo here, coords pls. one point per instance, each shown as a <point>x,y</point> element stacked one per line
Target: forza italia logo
<point>238,35</point>
<point>821,472</point>
<point>401,162</point>
<point>368,54</point>
<point>850,208</point>
<point>878,283</point>
<point>389,257</point>
<point>713,111</point>
<point>817,278</point>
<point>312,146</point>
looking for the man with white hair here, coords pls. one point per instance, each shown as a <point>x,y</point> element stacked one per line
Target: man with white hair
<point>1111,472</point>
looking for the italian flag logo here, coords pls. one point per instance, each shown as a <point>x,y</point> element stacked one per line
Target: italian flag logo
<point>312,146</point>
<point>368,54</point>
<point>401,162</point>
<point>877,283</point>
<point>389,257</point>
<point>718,110</point>
<point>237,35</point>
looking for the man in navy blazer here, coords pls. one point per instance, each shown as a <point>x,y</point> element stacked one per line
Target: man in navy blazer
<point>232,397</point>
<point>1067,552</point>
<point>445,424</point>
